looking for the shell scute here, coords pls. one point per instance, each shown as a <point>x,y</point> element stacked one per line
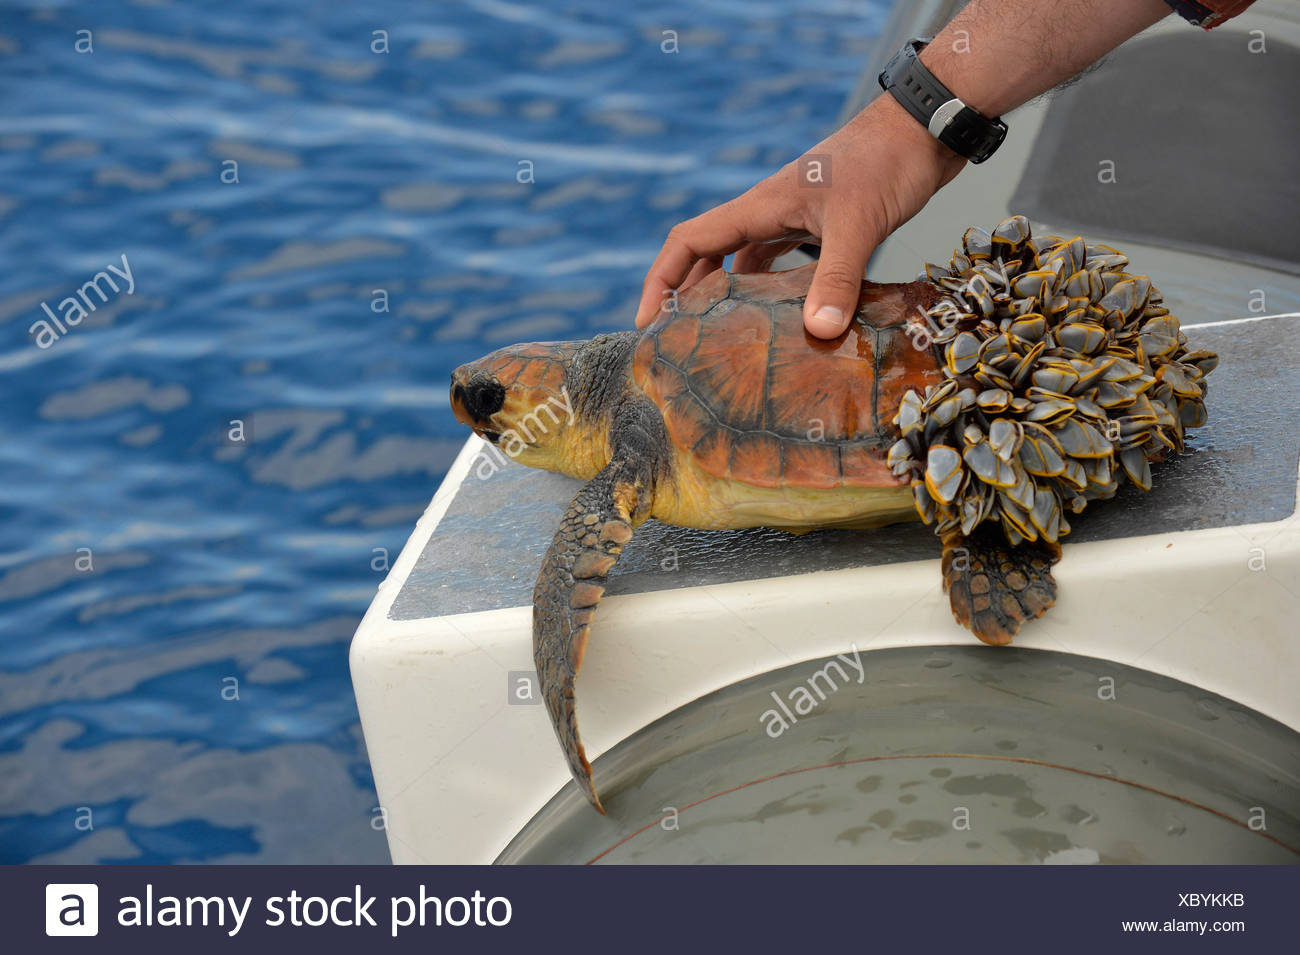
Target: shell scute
<point>688,421</point>
<point>757,455</point>
<point>751,397</point>
<point>713,451</point>
<point>811,465</point>
<point>697,299</point>
<point>677,340</point>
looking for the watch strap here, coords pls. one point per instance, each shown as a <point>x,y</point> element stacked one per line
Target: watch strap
<point>962,129</point>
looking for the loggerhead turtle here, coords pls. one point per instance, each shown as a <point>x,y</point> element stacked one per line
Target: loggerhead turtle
<point>1028,376</point>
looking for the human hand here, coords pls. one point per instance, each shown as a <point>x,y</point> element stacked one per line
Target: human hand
<point>877,172</point>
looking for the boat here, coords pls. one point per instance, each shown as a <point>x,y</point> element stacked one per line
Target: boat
<point>1150,717</point>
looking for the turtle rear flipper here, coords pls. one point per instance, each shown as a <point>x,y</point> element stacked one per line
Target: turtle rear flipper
<point>592,535</point>
<point>994,587</point>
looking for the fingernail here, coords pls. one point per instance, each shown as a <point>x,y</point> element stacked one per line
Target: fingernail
<point>827,322</point>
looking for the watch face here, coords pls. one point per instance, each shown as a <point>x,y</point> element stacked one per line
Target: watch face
<point>972,135</point>
<point>998,134</point>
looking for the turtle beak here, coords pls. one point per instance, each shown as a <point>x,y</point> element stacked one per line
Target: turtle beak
<point>475,398</point>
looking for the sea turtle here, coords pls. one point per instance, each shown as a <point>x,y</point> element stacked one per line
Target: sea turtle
<point>989,397</point>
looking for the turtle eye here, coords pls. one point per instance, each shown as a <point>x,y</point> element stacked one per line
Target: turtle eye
<point>484,397</point>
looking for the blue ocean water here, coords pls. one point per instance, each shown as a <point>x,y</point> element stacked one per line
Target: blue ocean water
<point>202,482</point>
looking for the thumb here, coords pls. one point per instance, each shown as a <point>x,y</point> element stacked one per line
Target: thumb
<point>837,284</point>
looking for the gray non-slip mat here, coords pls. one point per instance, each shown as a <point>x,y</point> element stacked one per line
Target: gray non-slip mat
<point>1187,141</point>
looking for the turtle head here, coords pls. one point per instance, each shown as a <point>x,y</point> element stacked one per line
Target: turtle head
<point>519,399</point>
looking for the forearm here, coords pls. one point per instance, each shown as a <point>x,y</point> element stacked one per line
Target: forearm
<point>997,54</point>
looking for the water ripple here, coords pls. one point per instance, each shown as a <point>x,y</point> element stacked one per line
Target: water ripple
<point>203,482</point>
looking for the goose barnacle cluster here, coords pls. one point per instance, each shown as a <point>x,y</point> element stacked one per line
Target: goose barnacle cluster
<point>1062,375</point>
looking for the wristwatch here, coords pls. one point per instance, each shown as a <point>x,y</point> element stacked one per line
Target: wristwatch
<point>963,130</point>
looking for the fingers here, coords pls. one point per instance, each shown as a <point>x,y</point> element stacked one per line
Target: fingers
<point>754,257</point>
<point>705,266</point>
<point>759,256</point>
<point>711,236</point>
<point>837,283</point>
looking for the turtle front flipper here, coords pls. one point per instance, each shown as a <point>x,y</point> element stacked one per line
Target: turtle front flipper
<point>592,535</point>
<point>994,587</point>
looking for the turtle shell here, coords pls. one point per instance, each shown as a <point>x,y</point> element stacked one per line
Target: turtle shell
<point>756,399</point>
